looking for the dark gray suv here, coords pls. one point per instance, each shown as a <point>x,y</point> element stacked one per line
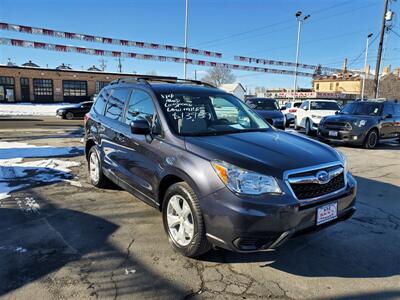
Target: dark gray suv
<point>218,172</point>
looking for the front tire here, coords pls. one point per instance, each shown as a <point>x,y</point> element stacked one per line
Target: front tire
<point>183,221</point>
<point>371,140</point>
<point>309,131</point>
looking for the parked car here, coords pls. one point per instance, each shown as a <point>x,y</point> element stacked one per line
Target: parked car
<point>288,110</point>
<point>362,123</point>
<point>310,113</point>
<point>239,184</point>
<point>268,109</point>
<point>76,111</point>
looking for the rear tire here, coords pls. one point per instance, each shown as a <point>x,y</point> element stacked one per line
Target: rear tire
<point>69,116</point>
<point>371,140</point>
<point>183,221</point>
<point>96,175</point>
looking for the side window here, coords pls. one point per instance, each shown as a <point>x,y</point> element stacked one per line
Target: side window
<point>397,109</point>
<point>100,103</point>
<point>116,103</point>
<point>388,109</point>
<point>226,110</point>
<point>140,106</point>
<point>304,105</point>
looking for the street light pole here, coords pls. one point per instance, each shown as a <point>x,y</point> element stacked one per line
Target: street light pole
<point>299,21</point>
<point>365,66</point>
<point>186,39</point>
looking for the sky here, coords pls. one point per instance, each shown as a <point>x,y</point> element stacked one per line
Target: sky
<point>258,28</point>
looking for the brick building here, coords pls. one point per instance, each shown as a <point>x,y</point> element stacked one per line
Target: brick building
<point>35,84</point>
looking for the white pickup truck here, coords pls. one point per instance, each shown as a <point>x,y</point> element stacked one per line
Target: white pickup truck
<point>310,113</point>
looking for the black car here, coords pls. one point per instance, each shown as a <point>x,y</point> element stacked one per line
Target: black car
<point>76,111</point>
<point>219,174</point>
<point>362,123</point>
<point>268,109</point>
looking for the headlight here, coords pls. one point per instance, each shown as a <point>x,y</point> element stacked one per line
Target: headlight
<point>360,123</point>
<point>343,160</point>
<point>243,181</point>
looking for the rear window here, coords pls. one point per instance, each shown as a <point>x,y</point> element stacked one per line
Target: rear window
<point>116,103</point>
<point>100,103</point>
<point>263,104</point>
<point>324,105</point>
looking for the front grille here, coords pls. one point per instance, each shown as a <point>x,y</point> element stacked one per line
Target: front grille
<point>337,125</point>
<point>308,184</point>
<point>313,190</point>
<point>254,243</point>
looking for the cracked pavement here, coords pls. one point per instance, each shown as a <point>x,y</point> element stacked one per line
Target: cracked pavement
<point>86,243</point>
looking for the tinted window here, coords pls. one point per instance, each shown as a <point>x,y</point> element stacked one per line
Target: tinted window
<point>140,106</point>
<point>263,104</point>
<point>324,105</point>
<point>297,104</point>
<point>388,109</point>
<point>362,108</point>
<point>100,103</point>
<point>397,109</point>
<point>116,103</point>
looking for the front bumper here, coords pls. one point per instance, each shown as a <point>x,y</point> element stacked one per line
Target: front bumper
<point>249,224</point>
<point>355,136</point>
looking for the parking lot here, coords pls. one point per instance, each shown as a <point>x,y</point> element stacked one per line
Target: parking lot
<point>62,238</point>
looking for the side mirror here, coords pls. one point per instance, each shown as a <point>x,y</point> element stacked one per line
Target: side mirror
<point>140,126</point>
<point>388,116</point>
<point>336,112</point>
<point>305,108</point>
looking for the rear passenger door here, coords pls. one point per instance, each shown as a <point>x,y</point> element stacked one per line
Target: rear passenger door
<point>388,122</point>
<point>112,137</point>
<point>142,152</point>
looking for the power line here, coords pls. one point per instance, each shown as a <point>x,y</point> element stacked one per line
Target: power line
<point>269,25</point>
<point>394,32</point>
<point>363,51</point>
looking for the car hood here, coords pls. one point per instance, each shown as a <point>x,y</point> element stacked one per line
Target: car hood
<point>271,152</point>
<point>348,118</point>
<point>270,113</point>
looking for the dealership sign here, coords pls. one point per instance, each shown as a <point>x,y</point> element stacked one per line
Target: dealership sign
<point>305,95</point>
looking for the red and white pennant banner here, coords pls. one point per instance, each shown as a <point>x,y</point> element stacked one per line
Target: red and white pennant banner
<point>100,52</point>
<point>104,40</point>
<point>289,64</point>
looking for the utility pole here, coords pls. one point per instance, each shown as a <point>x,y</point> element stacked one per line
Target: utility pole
<point>103,65</point>
<point>299,21</point>
<point>186,40</point>
<point>379,57</point>
<point>365,66</point>
<point>119,64</point>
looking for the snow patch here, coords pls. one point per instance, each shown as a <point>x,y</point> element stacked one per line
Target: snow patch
<point>28,205</point>
<point>30,109</point>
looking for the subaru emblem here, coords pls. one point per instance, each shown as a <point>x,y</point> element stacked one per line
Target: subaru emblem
<point>323,177</point>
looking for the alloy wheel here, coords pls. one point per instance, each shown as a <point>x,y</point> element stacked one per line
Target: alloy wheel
<point>94,168</point>
<point>180,220</point>
<point>372,140</point>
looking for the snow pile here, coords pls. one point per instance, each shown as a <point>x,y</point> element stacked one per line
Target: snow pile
<point>17,174</point>
<point>30,109</point>
<point>16,150</point>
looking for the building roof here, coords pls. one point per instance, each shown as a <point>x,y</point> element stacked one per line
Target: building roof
<point>231,87</point>
<point>30,64</point>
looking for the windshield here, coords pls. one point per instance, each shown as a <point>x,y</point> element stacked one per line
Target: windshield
<point>263,104</point>
<point>362,109</point>
<point>324,105</point>
<point>205,114</point>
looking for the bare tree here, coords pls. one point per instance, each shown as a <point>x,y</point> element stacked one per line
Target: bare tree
<point>219,75</point>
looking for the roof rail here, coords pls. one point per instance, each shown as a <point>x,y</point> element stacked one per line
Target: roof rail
<point>168,79</point>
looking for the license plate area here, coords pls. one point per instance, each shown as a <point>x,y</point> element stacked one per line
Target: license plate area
<point>332,133</point>
<point>326,213</point>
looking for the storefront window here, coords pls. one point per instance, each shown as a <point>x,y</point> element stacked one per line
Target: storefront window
<point>43,89</point>
<point>100,85</point>
<point>74,88</point>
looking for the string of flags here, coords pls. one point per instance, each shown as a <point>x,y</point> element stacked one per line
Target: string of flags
<point>141,56</point>
<point>104,40</point>
<point>289,64</point>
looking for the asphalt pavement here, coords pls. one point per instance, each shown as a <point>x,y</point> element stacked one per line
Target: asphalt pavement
<point>86,243</point>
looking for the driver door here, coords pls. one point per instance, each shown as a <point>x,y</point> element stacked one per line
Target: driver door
<point>301,113</point>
